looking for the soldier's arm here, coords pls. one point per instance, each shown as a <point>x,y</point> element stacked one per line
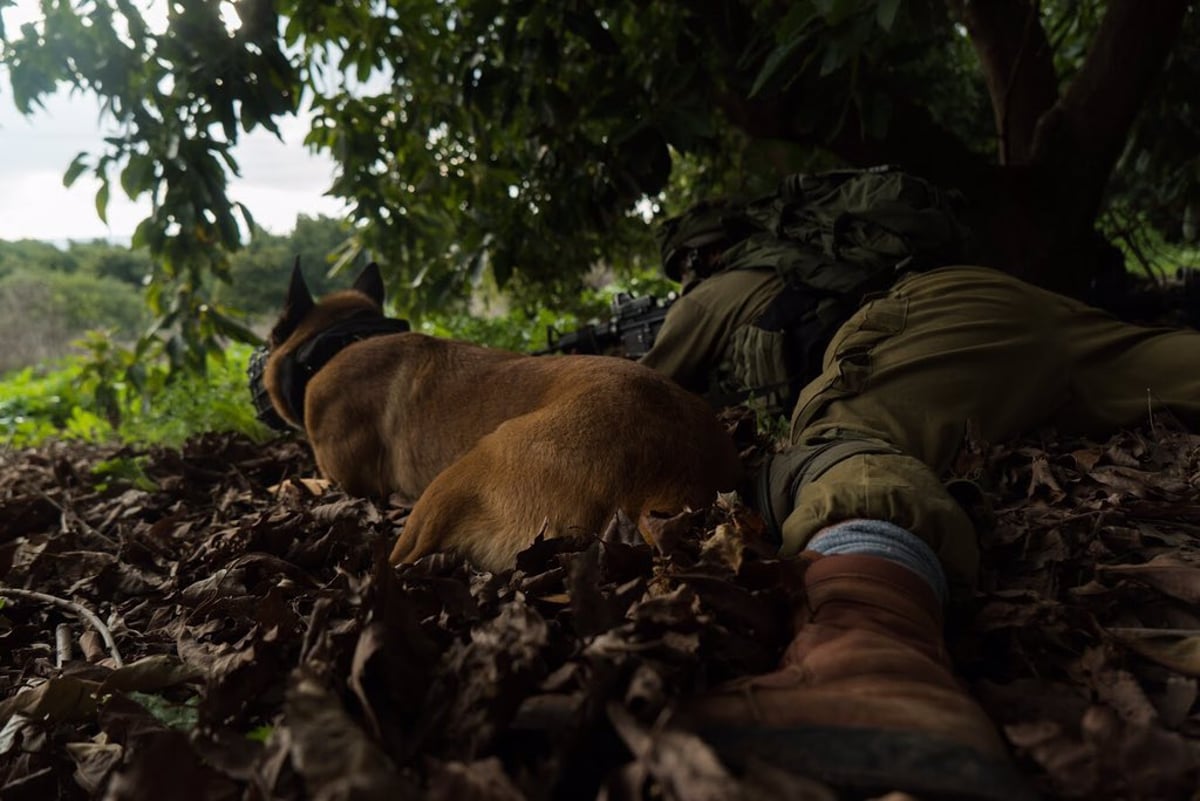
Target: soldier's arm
<point>687,346</point>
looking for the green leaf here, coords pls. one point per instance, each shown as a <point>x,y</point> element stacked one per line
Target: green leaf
<point>233,329</point>
<point>182,716</point>
<point>102,201</point>
<point>247,216</point>
<point>885,13</point>
<point>78,165</point>
<point>836,12</point>
<point>778,58</point>
<point>138,175</point>
<point>835,57</point>
<point>260,734</point>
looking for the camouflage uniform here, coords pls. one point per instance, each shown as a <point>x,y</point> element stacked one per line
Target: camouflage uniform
<point>943,354</point>
<point>698,342</point>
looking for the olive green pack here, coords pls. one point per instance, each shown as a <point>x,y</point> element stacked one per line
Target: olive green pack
<point>847,231</point>
<point>834,237</point>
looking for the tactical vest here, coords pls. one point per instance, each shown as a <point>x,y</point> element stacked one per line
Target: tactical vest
<point>834,238</point>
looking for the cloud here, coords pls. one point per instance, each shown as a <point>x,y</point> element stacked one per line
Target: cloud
<point>35,205</point>
<point>280,179</point>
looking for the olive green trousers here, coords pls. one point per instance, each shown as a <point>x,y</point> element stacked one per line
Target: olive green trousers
<point>952,351</point>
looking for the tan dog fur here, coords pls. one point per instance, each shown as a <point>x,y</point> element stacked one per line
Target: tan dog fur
<point>496,447</point>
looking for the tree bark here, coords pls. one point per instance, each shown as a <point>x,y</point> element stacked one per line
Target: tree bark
<point>1078,140</point>
<point>1034,213</point>
<point>913,140</point>
<point>1018,66</point>
<point>1082,136</point>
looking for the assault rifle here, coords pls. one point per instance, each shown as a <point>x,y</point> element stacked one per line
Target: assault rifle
<point>629,332</point>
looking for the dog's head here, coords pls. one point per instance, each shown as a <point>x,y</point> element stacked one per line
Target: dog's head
<point>307,334</point>
<point>303,317</point>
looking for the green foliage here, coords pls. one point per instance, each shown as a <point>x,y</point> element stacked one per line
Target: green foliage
<point>29,253</point>
<point>520,330</point>
<point>42,312</point>
<point>97,258</point>
<point>260,734</point>
<point>37,404</point>
<point>518,145</point>
<point>92,398</point>
<point>258,274</point>
<point>76,400</point>
<point>1146,249</point>
<point>523,328</point>
<point>124,470</point>
<point>180,97</point>
<point>83,299</point>
<point>184,716</point>
<point>106,260</point>
<point>1159,173</point>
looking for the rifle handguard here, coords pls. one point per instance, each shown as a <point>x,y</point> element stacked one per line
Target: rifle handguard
<point>633,328</point>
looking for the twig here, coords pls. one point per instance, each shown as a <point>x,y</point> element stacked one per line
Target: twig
<point>78,609</point>
<point>68,515</point>
<point>1144,632</point>
<point>62,645</point>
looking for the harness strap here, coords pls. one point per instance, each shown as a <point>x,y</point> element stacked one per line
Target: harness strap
<point>303,363</point>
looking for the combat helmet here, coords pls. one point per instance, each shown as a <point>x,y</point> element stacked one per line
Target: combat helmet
<point>703,224</point>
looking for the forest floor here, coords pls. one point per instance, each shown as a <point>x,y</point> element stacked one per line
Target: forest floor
<point>266,650</point>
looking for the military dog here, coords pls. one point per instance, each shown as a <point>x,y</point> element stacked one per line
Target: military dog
<point>492,447</point>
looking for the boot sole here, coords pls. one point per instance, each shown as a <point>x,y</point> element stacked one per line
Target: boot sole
<point>875,761</point>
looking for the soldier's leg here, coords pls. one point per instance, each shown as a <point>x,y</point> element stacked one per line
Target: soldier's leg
<point>945,353</point>
<point>1121,373</point>
<point>866,696</point>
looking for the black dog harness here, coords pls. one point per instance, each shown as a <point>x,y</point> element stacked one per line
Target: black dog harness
<point>298,367</point>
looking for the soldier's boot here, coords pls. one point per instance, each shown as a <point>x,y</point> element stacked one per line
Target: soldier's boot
<point>865,698</point>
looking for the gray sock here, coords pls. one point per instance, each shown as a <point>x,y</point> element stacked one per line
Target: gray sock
<point>887,540</point>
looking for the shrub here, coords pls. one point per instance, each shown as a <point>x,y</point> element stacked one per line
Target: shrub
<point>60,401</point>
<point>42,313</point>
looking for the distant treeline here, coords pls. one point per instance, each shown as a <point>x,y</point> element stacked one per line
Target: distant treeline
<point>51,295</point>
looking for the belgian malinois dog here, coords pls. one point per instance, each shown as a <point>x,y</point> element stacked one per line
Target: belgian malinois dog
<point>492,447</point>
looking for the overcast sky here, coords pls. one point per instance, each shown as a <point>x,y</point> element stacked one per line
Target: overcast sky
<point>279,179</point>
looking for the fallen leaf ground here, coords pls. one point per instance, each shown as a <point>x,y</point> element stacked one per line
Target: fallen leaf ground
<point>269,652</point>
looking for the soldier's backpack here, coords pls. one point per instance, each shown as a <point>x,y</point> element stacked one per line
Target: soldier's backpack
<point>834,237</point>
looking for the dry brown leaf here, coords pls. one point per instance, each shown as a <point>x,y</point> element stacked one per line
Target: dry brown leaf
<point>149,674</point>
<point>1174,703</point>
<point>1169,573</point>
<point>668,534</point>
<point>314,487</point>
<point>332,753</point>
<point>1117,687</point>
<point>724,546</point>
<point>1042,481</point>
<point>94,761</point>
<point>682,765</point>
<point>1177,650</point>
<point>482,780</point>
<point>1087,458</point>
<point>451,677</point>
<point>59,700</point>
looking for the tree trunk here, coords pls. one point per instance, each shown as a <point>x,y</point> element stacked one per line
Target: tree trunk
<point>1033,213</point>
<point>1018,66</point>
<point>1079,139</point>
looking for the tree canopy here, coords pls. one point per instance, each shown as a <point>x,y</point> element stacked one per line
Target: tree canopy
<point>533,141</point>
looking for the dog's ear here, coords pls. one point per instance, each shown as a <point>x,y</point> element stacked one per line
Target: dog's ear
<point>296,306</point>
<point>370,283</point>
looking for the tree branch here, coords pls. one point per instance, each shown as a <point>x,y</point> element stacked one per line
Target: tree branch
<point>913,139</point>
<point>1018,66</point>
<point>79,609</point>
<point>1082,136</point>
